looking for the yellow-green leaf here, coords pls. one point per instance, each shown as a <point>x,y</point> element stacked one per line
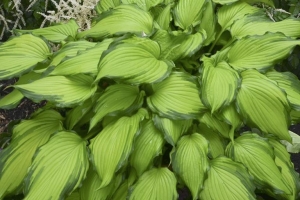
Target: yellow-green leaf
<point>144,65</point>
<point>58,168</point>
<point>258,156</point>
<point>215,124</point>
<point>21,54</point>
<point>219,84</point>
<point>27,137</point>
<point>119,98</point>
<point>172,129</point>
<point>227,180</point>
<point>144,4</point>
<point>260,52</point>
<point>110,149</point>
<point>177,97</point>
<point>57,33</point>
<point>190,161</point>
<point>157,183</point>
<point>263,104</point>
<point>76,89</point>
<point>122,19</point>
<point>147,146</point>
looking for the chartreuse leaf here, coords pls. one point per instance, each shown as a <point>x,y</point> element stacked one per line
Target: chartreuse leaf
<point>215,141</point>
<point>86,62</point>
<point>227,14</point>
<point>295,116</point>
<point>105,5</point>
<point>188,13</point>
<point>264,105</point>
<point>254,25</point>
<point>157,183</point>
<point>56,33</point>
<point>147,146</point>
<point>76,89</point>
<point>227,180</point>
<point>219,84</point>
<point>190,161</point>
<point>144,65</point>
<point>90,187</point>
<point>290,84</point>
<point>164,18</point>
<point>215,124</point>
<point>294,146</point>
<point>231,117</point>
<point>282,160</point>
<point>176,97</point>
<point>209,22</point>
<point>58,168</point>
<point>70,49</point>
<point>111,148</point>
<point>144,4</point>
<point>177,45</point>
<point>222,2</point>
<point>21,54</point>
<point>251,52</point>
<point>74,196</point>
<point>257,155</point>
<point>12,99</point>
<point>120,20</point>
<point>27,137</point>
<point>117,98</point>
<point>172,129</point>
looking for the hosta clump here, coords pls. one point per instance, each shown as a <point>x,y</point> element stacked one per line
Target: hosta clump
<point>153,98</point>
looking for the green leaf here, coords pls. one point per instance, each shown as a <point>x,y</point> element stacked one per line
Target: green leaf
<point>13,99</point>
<point>209,23</point>
<point>254,25</point>
<point>224,2</point>
<point>251,52</point>
<point>227,14</point>
<point>57,33</point>
<point>122,191</point>
<point>227,180</point>
<point>172,129</point>
<point>76,89</point>
<point>290,84</point>
<point>177,45</point>
<point>215,141</point>
<point>144,65</point>
<point>188,13</point>
<point>295,116</point>
<point>74,196</point>
<point>27,137</point>
<point>257,155</point>
<point>70,49</point>
<point>177,97</point>
<point>215,124</point>
<point>58,168</point>
<point>119,98</point>
<point>75,115</point>
<point>262,104</point>
<point>282,160</point>
<point>190,161</point>
<point>111,148</point>
<point>86,62</point>
<point>147,146</point>
<point>157,183</point>
<point>294,146</point>
<point>90,187</point>
<point>143,4</point>
<point>219,84</point>
<point>164,18</point>
<point>120,20</point>
<point>20,54</point>
<point>105,5</point>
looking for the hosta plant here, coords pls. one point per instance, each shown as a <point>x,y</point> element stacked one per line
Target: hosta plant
<point>157,96</point>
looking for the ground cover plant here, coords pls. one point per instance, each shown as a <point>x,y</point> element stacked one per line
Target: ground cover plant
<point>154,97</point>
